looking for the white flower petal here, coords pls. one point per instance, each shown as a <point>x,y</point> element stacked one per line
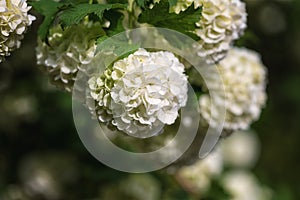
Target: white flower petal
<point>148,90</point>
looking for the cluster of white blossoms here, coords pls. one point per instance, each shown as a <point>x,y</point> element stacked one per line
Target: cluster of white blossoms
<point>244,82</point>
<point>66,52</point>
<point>14,20</point>
<point>233,174</point>
<point>140,93</point>
<point>241,149</point>
<point>200,174</point>
<point>243,185</point>
<point>222,22</point>
<point>134,186</point>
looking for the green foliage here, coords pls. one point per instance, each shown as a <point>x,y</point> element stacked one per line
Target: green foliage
<point>73,2</point>
<point>216,192</point>
<point>248,39</point>
<point>119,46</point>
<point>116,19</point>
<point>172,2</point>
<point>143,3</point>
<point>284,193</point>
<point>117,1</point>
<point>70,12</point>
<point>75,14</point>
<point>183,22</point>
<point>48,9</point>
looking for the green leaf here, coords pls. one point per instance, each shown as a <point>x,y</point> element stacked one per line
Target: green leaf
<point>141,3</point>
<point>76,13</point>
<point>248,39</point>
<point>216,192</point>
<point>73,2</point>
<point>117,1</point>
<point>183,22</point>
<point>172,2</point>
<point>48,9</point>
<point>119,46</point>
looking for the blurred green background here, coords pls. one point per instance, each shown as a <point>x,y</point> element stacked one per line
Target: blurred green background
<point>38,137</point>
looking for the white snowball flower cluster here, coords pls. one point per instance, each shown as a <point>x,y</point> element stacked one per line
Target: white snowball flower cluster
<point>236,180</point>
<point>142,92</point>
<point>243,77</point>
<point>243,185</point>
<point>222,22</point>
<point>241,149</point>
<point>135,186</point>
<point>14,20</point>
<point>66,52</point>
<point>200,174</point>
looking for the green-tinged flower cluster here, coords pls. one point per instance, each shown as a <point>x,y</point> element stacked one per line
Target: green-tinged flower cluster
<point>100,91</point>
<point>66,51</point>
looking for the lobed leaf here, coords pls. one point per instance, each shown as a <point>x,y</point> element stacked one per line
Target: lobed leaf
<point>75,14</point>
<point>183,22</point>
